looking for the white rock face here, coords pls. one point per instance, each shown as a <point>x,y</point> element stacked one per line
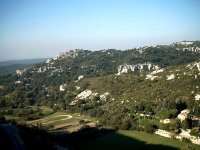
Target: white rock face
<point>105,96</point>
<point>193,65</point>
<point>48,61</point>
<point>73,102</point>
<point>198,66</point>
<point>185,43</point>
<point>42,69</point>
<point>183,134</point>
<point>163,133</point>
<point>170,77</point>
<point>188,46</point>
<point>197,97</point>
<point>20,72</point>
<point>68,54</point>
<point>186,134</point>
<point>53,69</point>
<point>62,87</point>
<point>184,114</point>
<point>195,140</point>
<point>165,121</point>
<point>84,94</point>
<point>140,51</point>
<point>77,87</point>
<point>93,95</point>
<point>126,68</point>
<point>192,49</point>
<point>151,77</point>
<point>80,77</point>
<point>18,82</point>
<point>157,71</point>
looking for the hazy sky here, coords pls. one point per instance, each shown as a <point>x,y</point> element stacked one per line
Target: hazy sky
<point>39,28</point>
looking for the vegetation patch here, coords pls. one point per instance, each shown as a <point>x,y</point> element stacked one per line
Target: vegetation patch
<point>134,140</point>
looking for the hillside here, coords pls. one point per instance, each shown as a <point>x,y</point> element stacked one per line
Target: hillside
<point>114,86</point>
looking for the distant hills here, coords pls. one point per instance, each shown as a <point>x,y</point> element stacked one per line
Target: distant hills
<point>7,67</point>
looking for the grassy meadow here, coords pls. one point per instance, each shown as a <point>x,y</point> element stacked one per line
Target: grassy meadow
<point>127,140</point>
<point>63,120</point>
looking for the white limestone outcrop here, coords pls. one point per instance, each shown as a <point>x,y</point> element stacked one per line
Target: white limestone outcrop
<point>105,96</point>
<point>180,136</point>
<point>69,54</point>
<point>186,134</point>
<point>192,49</point>
<point>193,65</point>
<point>48,61</point>
<point>170,77</point>
<point>85,94</point>
<point>131,68</point>
<point>80,77</point>
<point>20,72</point>
<point>62,87</point>
<point>165,121</point>
<point>18,82</point>
<point>73,102</point>
<point>77,87</point>
<point>152,76</point>
<point>42,69</point>
<point>184,114</point>
<point>163,133</point>
<point>197,97</point>
<point>53,69</point>
<point>157,71</point>
<point>185,43</point>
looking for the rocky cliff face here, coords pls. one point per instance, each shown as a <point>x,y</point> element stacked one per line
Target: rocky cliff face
<point>137,67</point>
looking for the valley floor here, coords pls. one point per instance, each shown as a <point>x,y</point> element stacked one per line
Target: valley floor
<point>126,140</point>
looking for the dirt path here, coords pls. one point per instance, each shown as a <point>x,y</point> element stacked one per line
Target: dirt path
<point>43,121</point>
<point>68,117</point>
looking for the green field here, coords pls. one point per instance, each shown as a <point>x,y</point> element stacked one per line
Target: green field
<point>54,119</point>
<point>66,120</point>
<point>126,140</point>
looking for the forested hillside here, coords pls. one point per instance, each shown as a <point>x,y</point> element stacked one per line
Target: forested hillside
<point>114,86</point>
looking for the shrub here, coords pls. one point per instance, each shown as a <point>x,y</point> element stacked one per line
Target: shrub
<point>187,148</point>
<point>186,140</point>
<point>124,126</point>
<point>149,128</point>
